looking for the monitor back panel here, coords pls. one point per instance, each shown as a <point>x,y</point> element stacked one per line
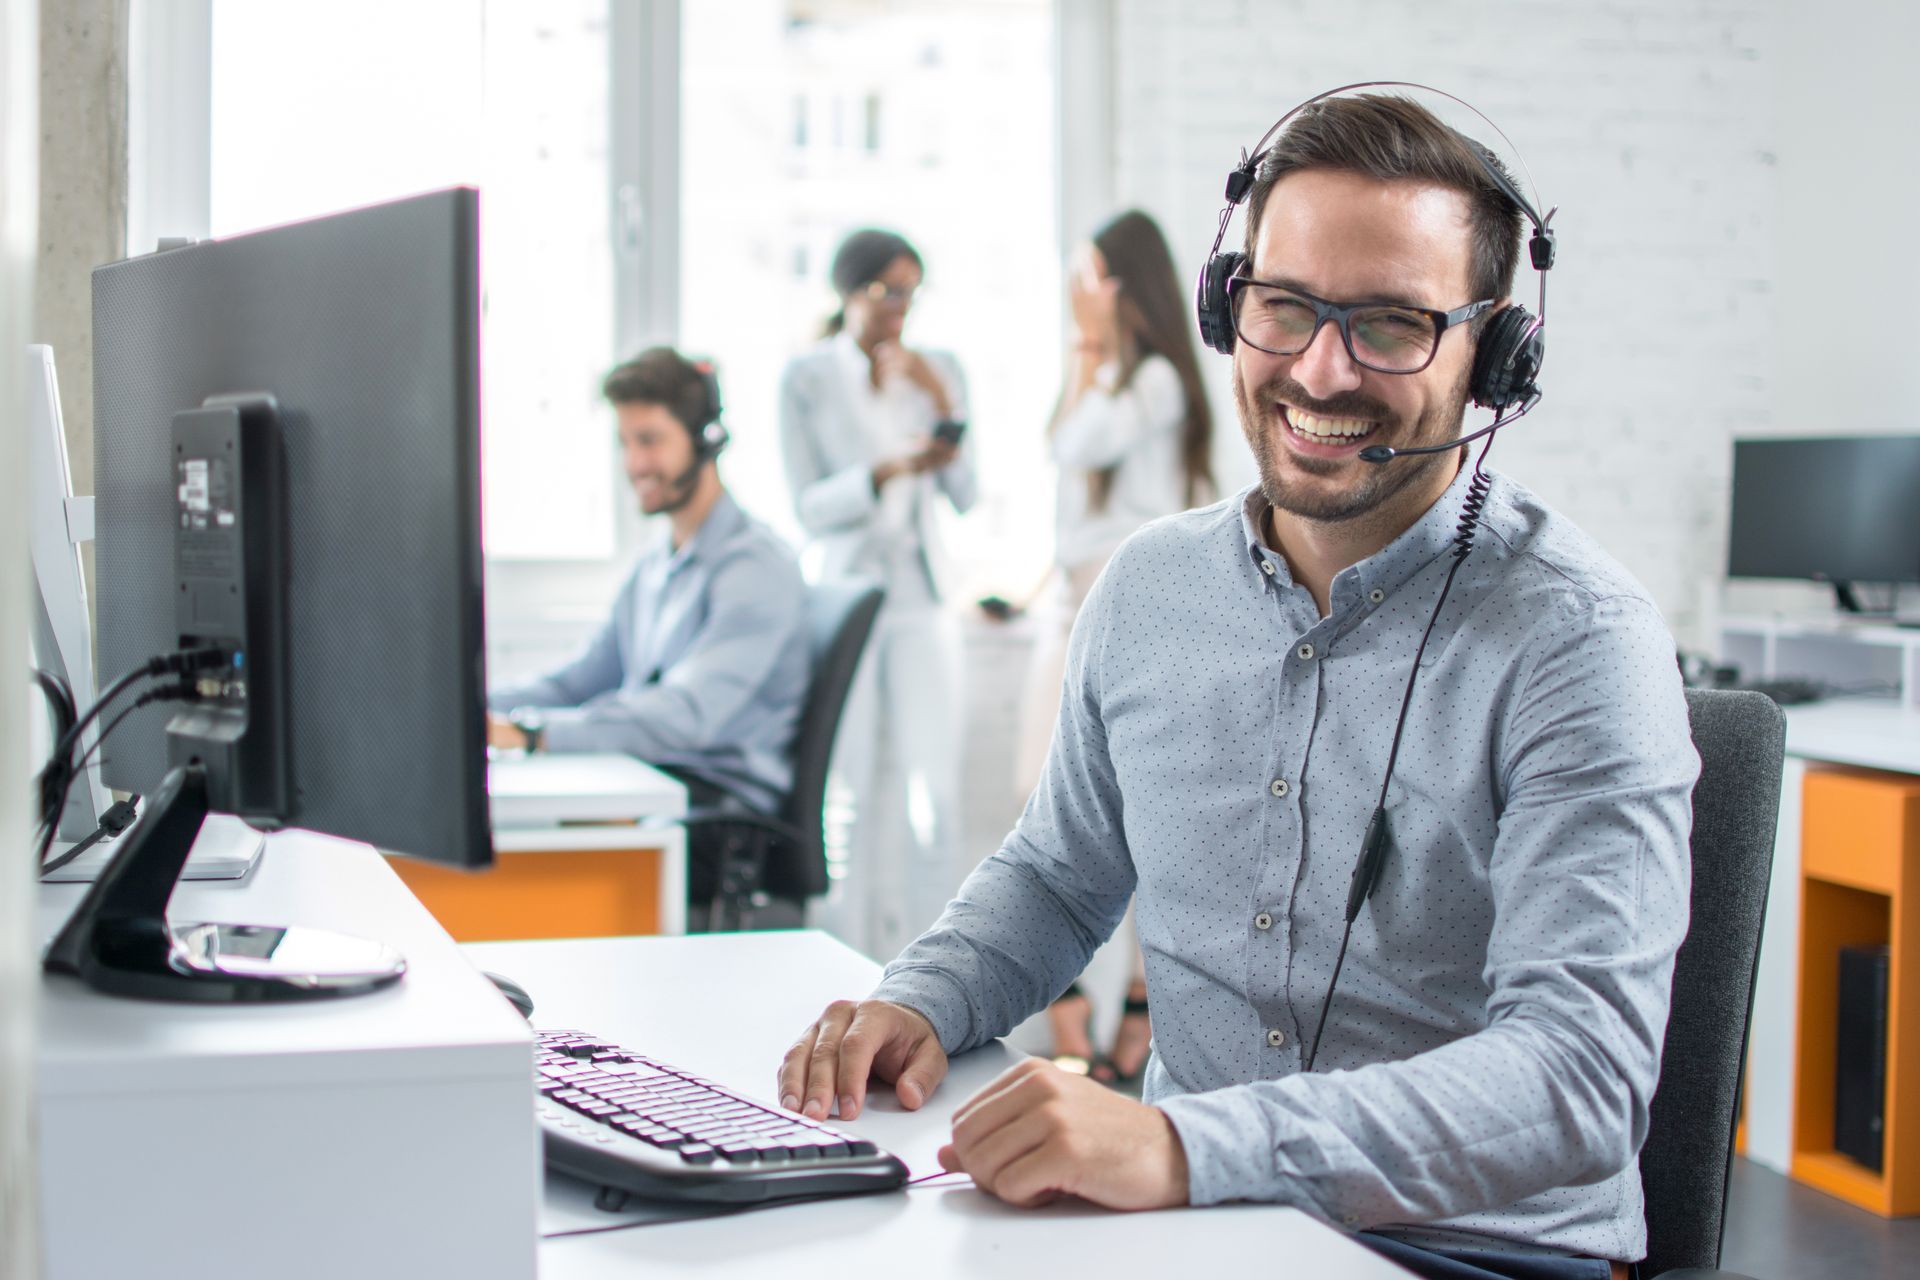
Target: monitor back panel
<point>364,326</point>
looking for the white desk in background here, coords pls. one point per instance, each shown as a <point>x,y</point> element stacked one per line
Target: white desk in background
<point>585,845</point>
<point>727,1006</point>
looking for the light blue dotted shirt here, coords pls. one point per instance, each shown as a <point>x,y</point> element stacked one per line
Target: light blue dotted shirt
<point>1487,1067</point>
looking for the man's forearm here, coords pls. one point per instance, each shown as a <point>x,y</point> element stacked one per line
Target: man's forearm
<point>1489,1120</point>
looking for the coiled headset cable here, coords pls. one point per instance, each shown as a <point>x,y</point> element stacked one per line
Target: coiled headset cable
<point>1374,846</point>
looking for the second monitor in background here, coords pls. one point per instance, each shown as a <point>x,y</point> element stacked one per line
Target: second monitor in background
<point>1844,510</point>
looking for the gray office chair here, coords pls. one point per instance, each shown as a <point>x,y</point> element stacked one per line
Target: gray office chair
<point>1688,1157</point>
<point>760,860</point>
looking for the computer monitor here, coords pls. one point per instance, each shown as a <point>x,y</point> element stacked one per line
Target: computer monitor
<point>62,638</point>
<point>287,486</point>
<point>1836,509</point>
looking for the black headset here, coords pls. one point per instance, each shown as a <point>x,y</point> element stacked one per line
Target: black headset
<point>1506,365</point>
<point>710,435</point>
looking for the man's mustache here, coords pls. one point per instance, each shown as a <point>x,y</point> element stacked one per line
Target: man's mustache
<point>1348,404</point>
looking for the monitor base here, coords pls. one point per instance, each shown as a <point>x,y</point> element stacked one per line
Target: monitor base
<point>119,940</point>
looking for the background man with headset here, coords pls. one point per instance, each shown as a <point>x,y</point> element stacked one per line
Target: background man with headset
<point>1393,725</point>
<point>702,668</point>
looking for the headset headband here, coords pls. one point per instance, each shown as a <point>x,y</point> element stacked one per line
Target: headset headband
<point>1514,342</point>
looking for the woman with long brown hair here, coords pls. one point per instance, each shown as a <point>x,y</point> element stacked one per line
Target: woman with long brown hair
<point>1132,437</point>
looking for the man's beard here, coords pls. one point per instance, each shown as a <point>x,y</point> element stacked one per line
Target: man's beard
<point>1377,484</point>
<point>679,492</point>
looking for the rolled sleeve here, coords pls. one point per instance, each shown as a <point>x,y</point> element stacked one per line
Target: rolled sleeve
<point>1026,922</point>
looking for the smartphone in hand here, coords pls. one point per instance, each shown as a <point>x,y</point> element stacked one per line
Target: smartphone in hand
<point>949,432</point>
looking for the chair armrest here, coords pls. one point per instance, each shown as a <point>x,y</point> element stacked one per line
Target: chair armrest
<point>1701,1273</point>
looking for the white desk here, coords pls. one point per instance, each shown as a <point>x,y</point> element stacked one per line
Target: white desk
<point>380,1136</point>
<point>572,833</point>
<point>727,1006</point>
<point>543,791</point>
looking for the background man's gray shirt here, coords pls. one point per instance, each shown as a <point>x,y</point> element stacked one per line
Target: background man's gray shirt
<point>702,666</point>
<point>1489,1060</point>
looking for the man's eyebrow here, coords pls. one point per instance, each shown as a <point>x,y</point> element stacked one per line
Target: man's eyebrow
<point>1383,298</point>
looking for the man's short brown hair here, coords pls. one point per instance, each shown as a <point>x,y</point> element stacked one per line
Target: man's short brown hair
<point>1392,138</point>
<point>662,376</point>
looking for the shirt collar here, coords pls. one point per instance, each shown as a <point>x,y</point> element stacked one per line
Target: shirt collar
<point>1387,569</point>
<point>853,361</point>
<point>722,523</point>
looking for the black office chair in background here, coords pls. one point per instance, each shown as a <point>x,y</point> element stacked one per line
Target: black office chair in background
<point>759,860</point>
<point>1688,1157</point>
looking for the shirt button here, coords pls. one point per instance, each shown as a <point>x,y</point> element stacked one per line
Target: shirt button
<point>1305,652</point>
<point>1266,567</point>
<point>1376,595</point>
<point>1276,1038</point>
<point>1279,786</point>
<point>1263,921</point>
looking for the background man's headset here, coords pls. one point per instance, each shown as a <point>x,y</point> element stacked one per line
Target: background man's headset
<point>1504,378</point>
<point>710,434</point>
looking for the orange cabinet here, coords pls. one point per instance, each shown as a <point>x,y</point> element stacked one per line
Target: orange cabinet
<point>1859,886</point>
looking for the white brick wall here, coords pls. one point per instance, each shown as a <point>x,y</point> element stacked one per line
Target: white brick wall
<point>1650,123</point>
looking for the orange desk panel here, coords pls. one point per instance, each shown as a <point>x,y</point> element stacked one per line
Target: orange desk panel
<point>569,893</point>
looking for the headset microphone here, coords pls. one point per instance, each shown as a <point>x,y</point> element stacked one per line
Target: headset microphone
<point>1386,453</point>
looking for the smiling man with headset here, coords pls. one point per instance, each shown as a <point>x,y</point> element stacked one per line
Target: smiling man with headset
<point>702,667</point>
<point>1395,758</point>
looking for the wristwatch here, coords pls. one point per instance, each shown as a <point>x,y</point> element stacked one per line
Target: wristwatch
<point>532,725</point>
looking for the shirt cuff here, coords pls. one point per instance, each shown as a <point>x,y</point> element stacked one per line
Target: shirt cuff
<point>570,729</point>
<point>937,996</point>
<point>1230,1150</point>
<point>845,496</point>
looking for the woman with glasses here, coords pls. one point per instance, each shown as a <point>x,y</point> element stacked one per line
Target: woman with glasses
<point>873,433</point>
<point>1132,438</point>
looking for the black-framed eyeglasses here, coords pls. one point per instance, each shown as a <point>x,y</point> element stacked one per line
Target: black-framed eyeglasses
<point>1379,336</point>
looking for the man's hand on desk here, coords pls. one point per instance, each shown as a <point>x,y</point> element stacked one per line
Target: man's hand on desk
<point>503,734</point>
<point>1038,1133</point>
<point>834,1057</point>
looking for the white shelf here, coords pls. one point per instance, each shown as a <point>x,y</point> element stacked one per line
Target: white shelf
<point>1831,649</point>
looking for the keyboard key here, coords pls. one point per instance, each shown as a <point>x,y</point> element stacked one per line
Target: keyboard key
<point>698,1153</point>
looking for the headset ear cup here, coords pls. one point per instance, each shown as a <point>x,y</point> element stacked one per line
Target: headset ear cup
<point>1506,364</point>
<point>712,439</point>
<point>1212,303</point>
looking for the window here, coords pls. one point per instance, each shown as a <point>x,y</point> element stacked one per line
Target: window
<point>320,109</point>
<point>964,166</point>
<point>643,166</point>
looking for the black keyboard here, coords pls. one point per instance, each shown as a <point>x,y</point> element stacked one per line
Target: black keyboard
<point>1788,692</point>
<point>625,1121</point>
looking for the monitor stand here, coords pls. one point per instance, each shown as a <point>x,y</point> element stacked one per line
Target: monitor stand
<point>1848,602</point>
<point>120,940</point>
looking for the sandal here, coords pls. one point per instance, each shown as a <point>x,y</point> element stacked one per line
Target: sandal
<point>1079,1064</point>
<point>1136,1033</point>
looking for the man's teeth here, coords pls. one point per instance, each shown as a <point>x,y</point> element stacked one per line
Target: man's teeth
<point>1334,429</point>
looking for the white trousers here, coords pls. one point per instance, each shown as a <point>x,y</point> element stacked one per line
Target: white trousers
<point>1039,711</point>
<point>896,787</point>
